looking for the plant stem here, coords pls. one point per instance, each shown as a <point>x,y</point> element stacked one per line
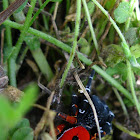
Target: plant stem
<point>137,10</point>
<point>132,5</point>
<point>37,54</point>
<point>12,69</point>
<point>38,12</point>
<point>21,58</point>
<point>132,86</point>
<point>67,6</point>
<point>121,101</point>
<point>68,49</point>
<point>90,26</point>
<point>8,29</point>
<point>44,17</point>
<point>8,40</point>
<point>101,28</point>
<point>111,20</point>
<point>124,129</point>
<point>72,54</point>
<point>25,28</point>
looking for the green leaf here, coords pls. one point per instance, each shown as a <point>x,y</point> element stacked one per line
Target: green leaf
<point>120,69</point>
<point>3,131</point>
<point>32,41</point>
<point>24,133</point>
<point>28,99</point>
<point>112,55</point>
<point>21,7</point>
<point>22,123</point>
<point>135,69</point>
<point>132,36</point>
<point>135,50</point>
<point>7,113</point>
<point>122,12</point>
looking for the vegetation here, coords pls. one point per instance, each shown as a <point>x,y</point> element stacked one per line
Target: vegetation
<point>56,38</point>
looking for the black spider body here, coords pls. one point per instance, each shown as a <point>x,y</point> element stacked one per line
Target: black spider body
<point>85,116</point>
<point>82,114</point>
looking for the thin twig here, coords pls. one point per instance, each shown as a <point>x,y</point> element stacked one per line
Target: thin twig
<point>105,33</point>
<point>96,63</point>
<point>43,120</point>
<point>55,11</point>
<point>40,107</point>
<point>108,25</point>
<point>43,87</point>
<point>52,19</point>
<point>92,20</point>
<point>79,62</point>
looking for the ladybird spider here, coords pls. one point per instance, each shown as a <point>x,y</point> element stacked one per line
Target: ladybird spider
<point>82,120</point>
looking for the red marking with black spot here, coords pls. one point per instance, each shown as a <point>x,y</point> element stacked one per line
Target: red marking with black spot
<point>75,133</point>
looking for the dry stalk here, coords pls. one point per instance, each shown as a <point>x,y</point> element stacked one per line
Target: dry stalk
<point>40,107</point>
<point>90,102</point>
<point>47,114</point>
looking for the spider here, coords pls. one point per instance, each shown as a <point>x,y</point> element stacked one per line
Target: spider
<point>82,125</point>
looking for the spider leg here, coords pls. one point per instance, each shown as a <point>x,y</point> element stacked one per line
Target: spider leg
<point>106,128</point>
<point>59,129</point>
<point>71,119</point>
<point>88,86</point>
<point>67,118</point>
<point>74,106</point>
<point>94,137</point>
